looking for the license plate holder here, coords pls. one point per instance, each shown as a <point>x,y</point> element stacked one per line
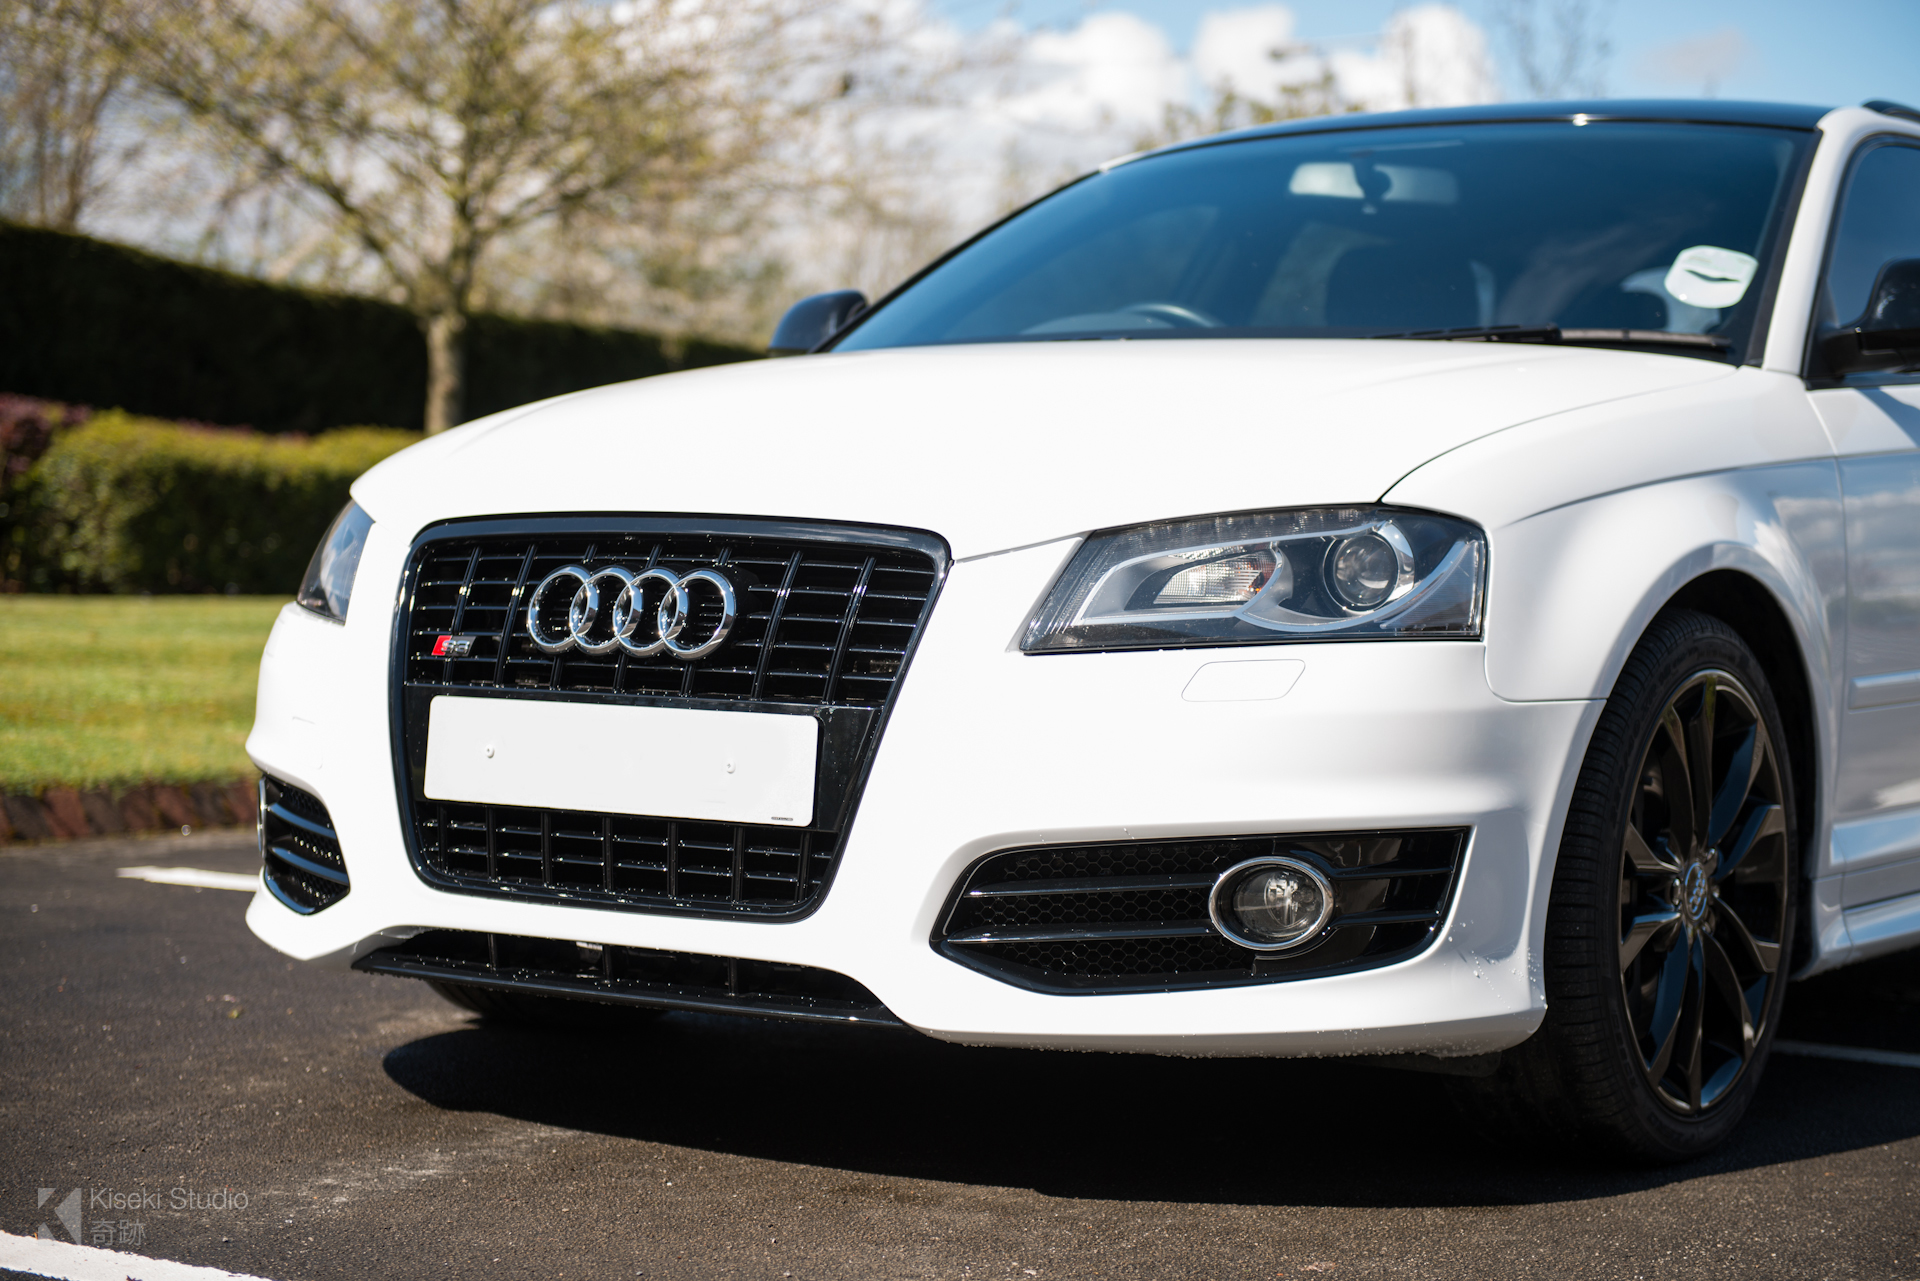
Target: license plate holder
<point>671,762</point>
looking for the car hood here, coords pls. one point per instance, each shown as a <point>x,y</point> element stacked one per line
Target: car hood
<point>996,446</point>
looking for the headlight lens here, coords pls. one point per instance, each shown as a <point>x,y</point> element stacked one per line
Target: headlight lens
<point>1330,573</point>
<point>328,585</point>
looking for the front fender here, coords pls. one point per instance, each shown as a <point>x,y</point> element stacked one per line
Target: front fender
<point>1572,590</point>
<point>1598,516</point>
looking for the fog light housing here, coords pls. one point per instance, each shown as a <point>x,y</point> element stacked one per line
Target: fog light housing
<point>1271,904</point>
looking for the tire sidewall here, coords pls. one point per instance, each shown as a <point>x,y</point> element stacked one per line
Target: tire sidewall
<point>1583,982</point>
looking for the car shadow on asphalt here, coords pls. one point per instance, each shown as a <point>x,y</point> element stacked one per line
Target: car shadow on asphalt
<point>1131,1127</point>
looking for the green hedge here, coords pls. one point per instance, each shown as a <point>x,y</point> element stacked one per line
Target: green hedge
<point>126,504</point>
<point>102,324</point>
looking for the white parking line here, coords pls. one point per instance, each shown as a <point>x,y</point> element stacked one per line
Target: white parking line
<point>66,1262</point>
<point>1885,1058</point>
<point>198,877</point>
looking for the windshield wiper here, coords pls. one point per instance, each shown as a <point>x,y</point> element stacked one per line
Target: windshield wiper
<point>1645,338</point>
<point>1555,334</point>
<point>1481,333</point>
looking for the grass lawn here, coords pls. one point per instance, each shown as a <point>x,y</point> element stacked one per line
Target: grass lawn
<point>106,690</point>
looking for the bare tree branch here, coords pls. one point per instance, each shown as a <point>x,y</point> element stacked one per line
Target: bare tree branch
<point>61,89</point>
<point>1559,48</point>
<point>426,132</point>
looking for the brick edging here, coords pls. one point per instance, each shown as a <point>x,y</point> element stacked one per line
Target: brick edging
<point>63,813</point>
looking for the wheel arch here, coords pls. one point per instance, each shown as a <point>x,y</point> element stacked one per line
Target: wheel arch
<point>1573,592</point>
<point>1743,603</point>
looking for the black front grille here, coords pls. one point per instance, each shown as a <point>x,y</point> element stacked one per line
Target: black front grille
<point>299,852</point>
<point>630,976</point>
<point>827,620</point>
<point>1133,917</point>
<point>821,623</point>
<point>623,856</point>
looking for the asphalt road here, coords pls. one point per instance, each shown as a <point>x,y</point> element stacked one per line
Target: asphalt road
<point>149,1043</point>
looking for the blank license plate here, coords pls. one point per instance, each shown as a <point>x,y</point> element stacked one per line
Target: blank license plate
<point>675,762</point>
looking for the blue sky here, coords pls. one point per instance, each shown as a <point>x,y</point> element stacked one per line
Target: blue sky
<point>1834,53</point>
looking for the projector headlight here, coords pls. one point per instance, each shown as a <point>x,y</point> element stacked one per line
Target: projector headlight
<point>1314,574</point>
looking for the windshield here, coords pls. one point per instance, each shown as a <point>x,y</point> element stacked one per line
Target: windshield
<point>1638,230</point>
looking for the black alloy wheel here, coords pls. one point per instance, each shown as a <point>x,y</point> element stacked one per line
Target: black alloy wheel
<point>1703,893</point>
<point>1672,910</point>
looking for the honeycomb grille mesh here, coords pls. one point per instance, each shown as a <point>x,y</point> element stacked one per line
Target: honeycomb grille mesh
<point>1128,959</point>
<point>1133,916</point>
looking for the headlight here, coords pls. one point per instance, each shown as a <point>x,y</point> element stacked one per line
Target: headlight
<point>1334,573</point>
<point>328,585</point>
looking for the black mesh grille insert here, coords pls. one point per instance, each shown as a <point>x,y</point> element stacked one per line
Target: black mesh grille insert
<point>630,976</point>
<point>827,618</point>
<point>647,861</point>
<point>299,852</point>
<point>820,622</point>
<point>1133,917</point>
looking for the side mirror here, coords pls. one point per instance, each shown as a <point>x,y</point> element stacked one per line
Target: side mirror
<point>1887,335</point>
<point>812,321</point>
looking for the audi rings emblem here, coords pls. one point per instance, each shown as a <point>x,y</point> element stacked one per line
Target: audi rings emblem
<point>620,596</point>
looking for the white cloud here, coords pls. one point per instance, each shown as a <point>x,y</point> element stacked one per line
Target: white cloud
<point>1114,69</point>
<point>1056,103</point>
<point>1704,60</point>
<point>1241,49</point>
<point>1429,56</point>
<point>1113,75</point>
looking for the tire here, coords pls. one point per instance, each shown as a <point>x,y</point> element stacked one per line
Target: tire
<point>1671,917</point>
<point>522,1009</point>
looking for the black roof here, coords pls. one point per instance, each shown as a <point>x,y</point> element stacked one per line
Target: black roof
<point>1680,110</point>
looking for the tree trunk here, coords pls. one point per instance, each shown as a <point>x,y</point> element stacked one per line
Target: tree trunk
<point>446,369</point>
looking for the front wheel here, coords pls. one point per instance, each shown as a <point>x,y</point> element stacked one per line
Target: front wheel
<point>1672,909</point>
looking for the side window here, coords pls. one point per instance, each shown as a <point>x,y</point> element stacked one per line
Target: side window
<point>1879,223</point>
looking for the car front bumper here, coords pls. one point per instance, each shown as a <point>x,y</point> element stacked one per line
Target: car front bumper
<point>987,749</point>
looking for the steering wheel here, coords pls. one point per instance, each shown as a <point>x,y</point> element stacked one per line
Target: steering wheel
<point>1172,313</point>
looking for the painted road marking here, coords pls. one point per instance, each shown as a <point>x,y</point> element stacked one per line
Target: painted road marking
<point>1885,1058</point>
<point>198,877</point>
<point>57,1259</point>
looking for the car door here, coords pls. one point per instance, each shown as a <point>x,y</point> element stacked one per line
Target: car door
<point>1874,421</point>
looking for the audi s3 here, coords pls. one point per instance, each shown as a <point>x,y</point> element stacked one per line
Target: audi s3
<point>1437,588</point>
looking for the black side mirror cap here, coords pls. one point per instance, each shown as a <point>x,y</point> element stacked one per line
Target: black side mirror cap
<point>812,321</point>
<point>1887,335</point>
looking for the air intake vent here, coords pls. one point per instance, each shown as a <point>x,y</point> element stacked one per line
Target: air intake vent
<point>1133,917</point>
<point>825,620</point>
<point>630,976</point>
<point>301,856</point>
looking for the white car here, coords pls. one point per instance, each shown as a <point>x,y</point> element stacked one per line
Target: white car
<point>1441,587</point>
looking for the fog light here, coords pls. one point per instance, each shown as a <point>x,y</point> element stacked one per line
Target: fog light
<point>1271,904</point>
